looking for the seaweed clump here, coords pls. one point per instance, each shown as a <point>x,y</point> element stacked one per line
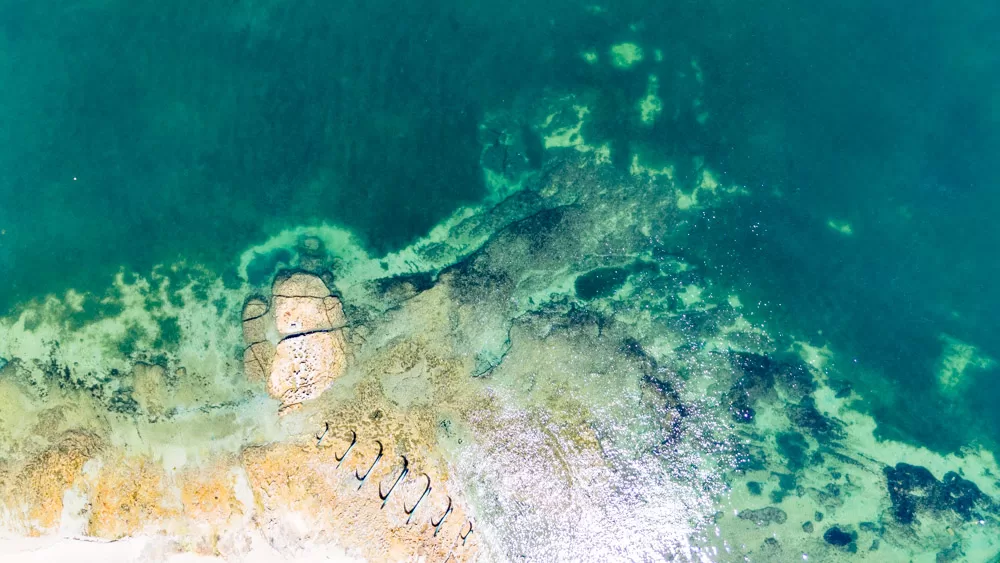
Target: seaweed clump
<point>764,516</point>
<point>759,376</point>
<point>836,536</point>
<point>603,282</point>
<point>807,417</point>
<point>913,488</point>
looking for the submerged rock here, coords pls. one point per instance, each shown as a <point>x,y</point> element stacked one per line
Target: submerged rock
<point>913,488</point>
<point>742,413</point>
<point>836,536</point>
<point>603,282</point>
<point>254,321</point>
<point>794,448</point>
<point>807,417</point>
<point>961,495</point>
<point>771,548</point>
<point>759,376</point>
<point>764,516</point>
<point>910,487</point>
<point>952,553</point>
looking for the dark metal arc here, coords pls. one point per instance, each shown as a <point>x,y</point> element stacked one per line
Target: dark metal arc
<point>437,525</point>
<point>466,536</point>
<point>319,439</point>
<point>402,474</point>
<point>427,490</point>
<point>354,440</point>
<point>364,477</point>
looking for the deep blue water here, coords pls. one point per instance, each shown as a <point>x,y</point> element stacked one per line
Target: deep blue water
<point>194,129</point>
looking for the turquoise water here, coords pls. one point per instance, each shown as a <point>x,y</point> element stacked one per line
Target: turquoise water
<point>863,135</point>
<point>193,132</point>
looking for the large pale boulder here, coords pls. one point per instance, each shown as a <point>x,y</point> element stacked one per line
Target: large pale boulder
<point>305,366</point>
<point>305,321</point>
<point>302,303</point>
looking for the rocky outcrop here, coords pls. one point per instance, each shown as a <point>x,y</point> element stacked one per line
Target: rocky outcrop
<point>302,303</point>
<point>305,365</point>
<point>913,488</point>
<point>295,343</point>
<point>259,353</point>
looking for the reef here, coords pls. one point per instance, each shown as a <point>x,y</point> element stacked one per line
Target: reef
<point>914,489</point>
<point>552,374</point>
<point>310,352</point>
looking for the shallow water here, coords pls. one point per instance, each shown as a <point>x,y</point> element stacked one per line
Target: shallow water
<point>623,273</point>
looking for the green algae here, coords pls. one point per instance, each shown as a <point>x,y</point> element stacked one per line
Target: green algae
<point>169,336</point>
<point>93,309</point>
<point>794,448</point>
<point>130,342</point>
<point>603,282</point>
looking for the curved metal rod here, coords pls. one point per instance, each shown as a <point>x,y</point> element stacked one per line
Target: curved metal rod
<point>437,525</point>
<point>319,439</point>
<point>385,497</point>
<point>466,536</point>
<point>374,463</point>
<point>354,440</point>
<point>427,490</point>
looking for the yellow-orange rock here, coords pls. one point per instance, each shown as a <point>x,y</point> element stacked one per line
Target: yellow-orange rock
<point>127,498</point>
<point>44,479</point>
<point>311,351</point>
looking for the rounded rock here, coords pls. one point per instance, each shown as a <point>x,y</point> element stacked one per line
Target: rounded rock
<point>300,284</point>
<point>836,536</point>
<point>254,308</point>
